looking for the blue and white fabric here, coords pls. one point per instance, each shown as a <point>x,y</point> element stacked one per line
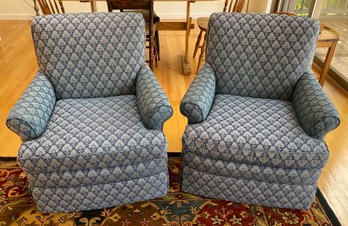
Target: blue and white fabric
<point>154,106</point>
<point>91,121</point>
<point>30,115</point>
<point>316,113</point>
<point>198,99</point>
<point>87,55</point>
<point>260,55</point>
<point>259,138</point>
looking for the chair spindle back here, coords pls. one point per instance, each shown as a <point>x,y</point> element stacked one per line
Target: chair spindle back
<point>235,6</point>
<point>51,6</point>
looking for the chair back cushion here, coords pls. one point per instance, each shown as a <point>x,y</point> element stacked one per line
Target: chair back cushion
<point>260,55</point>
<point>90,54</point>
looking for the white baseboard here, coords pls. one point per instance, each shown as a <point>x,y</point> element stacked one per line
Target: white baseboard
<point>161,15</point>
<point>16,16</point>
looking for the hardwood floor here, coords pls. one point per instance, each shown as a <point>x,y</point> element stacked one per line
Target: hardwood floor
<point>18,66</point>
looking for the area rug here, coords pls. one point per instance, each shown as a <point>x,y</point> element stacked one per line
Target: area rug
<point>178,208</point>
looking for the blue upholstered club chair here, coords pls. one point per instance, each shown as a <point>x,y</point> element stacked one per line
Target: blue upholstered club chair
<point>91,120</point>
<point>257,116</point>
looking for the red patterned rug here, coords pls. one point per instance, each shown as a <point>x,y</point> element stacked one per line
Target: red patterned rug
<point>178,208</point>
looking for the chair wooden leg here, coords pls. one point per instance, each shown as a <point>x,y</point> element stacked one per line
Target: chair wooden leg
<point>151,52</point>
<point>197,43</point>
<point>327,63</point>
<point>200,59</point>
<point>157,45</point>
<point>155,50</point>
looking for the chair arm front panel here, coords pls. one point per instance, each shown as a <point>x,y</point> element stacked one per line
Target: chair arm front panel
<point>30,115</point>
<point>199,98</point>
<point>153,104</point>
<point>315,112</point>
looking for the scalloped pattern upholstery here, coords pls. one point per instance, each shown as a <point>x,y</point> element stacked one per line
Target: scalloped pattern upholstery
<point>91,121</point>
<point>92,134</point>
<point>255,136</point>
<point>316,113</point>
<point>257,132</point>
<point>30,115</point>
<point>253,148</point>
<point>84,55</point>
<point>260,55</point>
<point>154,106</point>
<point>198,100</point>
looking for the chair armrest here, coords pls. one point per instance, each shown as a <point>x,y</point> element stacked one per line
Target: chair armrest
<point>153,104</point>
<point>199,98</point>
<point>315,112</point>
<point>30,115</point>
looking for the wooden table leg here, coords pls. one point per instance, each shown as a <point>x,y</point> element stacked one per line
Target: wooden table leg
<point>186,65</point>
<point>93,6</point>
<point>327,63</point>
<point>36,8</point>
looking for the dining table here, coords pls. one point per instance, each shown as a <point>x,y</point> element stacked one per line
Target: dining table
<point>186,25</point>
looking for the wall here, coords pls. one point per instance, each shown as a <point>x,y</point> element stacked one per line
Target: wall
<point>23,9</point>
<point>15,9</point>
<point>259,6</point>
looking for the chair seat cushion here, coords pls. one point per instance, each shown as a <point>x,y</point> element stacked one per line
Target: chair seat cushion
<point>254,131</point>
<point>95,133</point>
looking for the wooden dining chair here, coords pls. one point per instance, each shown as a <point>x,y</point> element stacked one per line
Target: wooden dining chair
<point>146,8</point>
<point>51,6</point>
<point>230,6</point>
